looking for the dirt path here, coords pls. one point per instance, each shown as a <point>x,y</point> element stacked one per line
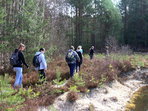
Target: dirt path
<point>111,97</point>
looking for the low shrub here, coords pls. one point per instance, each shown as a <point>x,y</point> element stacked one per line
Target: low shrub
<point>72,96</point>
<point>13,99</point>
<point>94,73</point>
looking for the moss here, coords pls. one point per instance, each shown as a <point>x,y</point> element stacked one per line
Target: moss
<point>91,107</point>
<point>139,100</point>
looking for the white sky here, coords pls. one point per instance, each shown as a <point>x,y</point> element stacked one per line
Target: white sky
<point>52,5</point>
<point>115,1</point>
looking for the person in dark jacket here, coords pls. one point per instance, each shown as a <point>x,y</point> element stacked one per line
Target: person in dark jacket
<point>18,68</point>
<point>78,63</point>
<point>91,52</point>
<point>71,58</point>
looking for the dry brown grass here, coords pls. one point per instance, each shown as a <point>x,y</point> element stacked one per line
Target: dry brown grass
<point>72,96</point>
<point>92,71</point>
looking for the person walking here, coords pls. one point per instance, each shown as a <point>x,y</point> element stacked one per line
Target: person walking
<point>17,62</point>
<point>42,65</point>
<point>107,50</point>
<point>71,58</point>
<point>91,52</point>
<point>78,63</point>
<point>81,50</point>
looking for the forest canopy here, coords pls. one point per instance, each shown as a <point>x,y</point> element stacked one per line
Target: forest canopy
<point>57,24</point>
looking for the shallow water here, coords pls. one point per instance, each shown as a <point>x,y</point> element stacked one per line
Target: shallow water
<point>139,100</point>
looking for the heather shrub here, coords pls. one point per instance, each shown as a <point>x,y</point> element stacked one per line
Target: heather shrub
<point>83,89</point>
<point>30,78</point>
<point>122,67</point>
<point>50,75</point>
<point>72,96</point>
<point>73,93</point>
<point>46,100</point>
<point>94,73</point>
<point>91,82</point>
<point>99,69</point>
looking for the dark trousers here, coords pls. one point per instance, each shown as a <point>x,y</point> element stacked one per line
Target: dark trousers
<point>91,56</point>
<point>42,74</point>
<point>72,68</point>
<point>78,66</point>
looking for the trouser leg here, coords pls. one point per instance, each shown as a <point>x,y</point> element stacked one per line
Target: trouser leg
<point>19,77</point>
<point>72,69</point>
<point>91,56</point>
<point>77,66</point>
<point>42,74</point>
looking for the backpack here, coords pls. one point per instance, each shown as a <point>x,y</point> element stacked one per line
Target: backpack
<point>70,56</point>
<point>36,62</point>
<point>14,58</point>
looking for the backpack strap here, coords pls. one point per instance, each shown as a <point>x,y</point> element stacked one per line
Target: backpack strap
<point>38,56</point>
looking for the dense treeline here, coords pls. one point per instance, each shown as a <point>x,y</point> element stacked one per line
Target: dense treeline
<point>94,21</point>
<point>56,24</point>
<point>135,19</point>
<point>36,23</point>
<point>22,21</point>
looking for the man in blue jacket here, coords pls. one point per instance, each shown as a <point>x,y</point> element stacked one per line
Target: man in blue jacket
<point>71,58</point>
<point>43,64</point>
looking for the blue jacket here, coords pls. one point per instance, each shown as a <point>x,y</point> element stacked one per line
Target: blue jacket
<point>42,60</point>
<point>81,50</point>
<point>76,57</point>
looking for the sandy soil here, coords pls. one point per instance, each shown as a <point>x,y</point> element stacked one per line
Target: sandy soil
<point>111,97</point>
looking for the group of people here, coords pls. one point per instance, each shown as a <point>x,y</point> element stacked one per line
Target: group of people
<point>74,59</point>
<point>17,60</point>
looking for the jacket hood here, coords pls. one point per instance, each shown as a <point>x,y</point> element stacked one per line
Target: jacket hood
<point>37,53</point>
<point>78,50</point>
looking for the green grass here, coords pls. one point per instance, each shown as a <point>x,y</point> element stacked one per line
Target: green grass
<point>10,99</point>
<point>135,60</point>
<point>7,95</point>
